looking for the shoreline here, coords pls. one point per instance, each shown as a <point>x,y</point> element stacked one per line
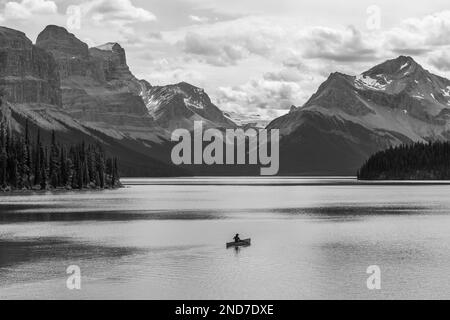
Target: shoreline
<point>56,190</point>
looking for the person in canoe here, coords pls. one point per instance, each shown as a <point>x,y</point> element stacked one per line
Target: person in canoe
<point>236,238</point>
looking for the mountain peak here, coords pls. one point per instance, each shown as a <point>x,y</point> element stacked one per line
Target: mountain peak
<point>55,29</point>
<point>4,31</point>
<point>337,75</point>
<point>10,38</point>
<point>111,50</point>
<point>56,38</point>
<point>110,46</point>
<point>187,85</point>
<point>400,66</point>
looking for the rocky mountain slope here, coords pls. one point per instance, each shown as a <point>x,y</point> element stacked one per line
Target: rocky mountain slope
<point>179,105</point>
<point>351,117</point>
<point>31,89</point>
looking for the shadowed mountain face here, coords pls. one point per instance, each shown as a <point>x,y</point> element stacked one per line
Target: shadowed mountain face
<point>351,117</point>
<point>27,73</point>
<point>98,88</point>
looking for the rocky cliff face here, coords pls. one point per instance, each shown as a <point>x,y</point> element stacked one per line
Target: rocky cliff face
<point>351,117</point>
<point>58,40</point>
<point>71,54</point>
<point>114,62</point>
<point>27,74</point>
<point>30,90</point>
<point>98,88</point>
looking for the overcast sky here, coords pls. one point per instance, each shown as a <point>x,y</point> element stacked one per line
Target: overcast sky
<point>253,56</point>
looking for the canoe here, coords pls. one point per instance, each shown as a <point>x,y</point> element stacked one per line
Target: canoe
<point>242,243</point>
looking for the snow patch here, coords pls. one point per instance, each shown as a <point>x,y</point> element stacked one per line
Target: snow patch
<point>188,102</point>
<point>152,103</point>
<point>446,92</point>
<point>363,82</point>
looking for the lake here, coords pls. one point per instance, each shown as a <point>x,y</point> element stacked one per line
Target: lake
<point>165,239</point>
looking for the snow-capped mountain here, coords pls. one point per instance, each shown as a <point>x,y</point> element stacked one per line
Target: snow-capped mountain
<point>90,94</point>
<point>251,120</point>
<point>179,105</point>
<point>351,117</point>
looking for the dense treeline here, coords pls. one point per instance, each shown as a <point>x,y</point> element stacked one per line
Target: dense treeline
<point>26,163</point>
<point>419,161</point>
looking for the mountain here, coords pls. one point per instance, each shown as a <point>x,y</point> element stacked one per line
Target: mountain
<point>179,105</point>
<point>30,85</point>
<point>247,121</point>
<point>91,94</point>
<point>100,91</point>
<point>93,91</point>
<point>98,88</point>
<point>32,89</point>
<point>350,118</point>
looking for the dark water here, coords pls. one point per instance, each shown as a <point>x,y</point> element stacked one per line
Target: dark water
<point>165,239</point>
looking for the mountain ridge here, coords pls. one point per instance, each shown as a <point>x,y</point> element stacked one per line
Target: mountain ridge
<point>63,84</point>
<point>392,103</point>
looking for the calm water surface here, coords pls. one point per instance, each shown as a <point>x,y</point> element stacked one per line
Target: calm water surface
<point>165,239</point>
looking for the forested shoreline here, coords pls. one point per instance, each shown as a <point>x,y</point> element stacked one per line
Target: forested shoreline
<point>26,163</point>
<point>418,161</point>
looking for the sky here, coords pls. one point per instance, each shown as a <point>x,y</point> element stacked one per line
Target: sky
<point>250,56</point>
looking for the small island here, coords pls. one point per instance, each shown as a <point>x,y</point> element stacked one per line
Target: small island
<point>418,161</point>
<point>27,164</point>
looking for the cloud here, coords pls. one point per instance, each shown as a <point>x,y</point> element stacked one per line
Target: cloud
<point>346,45</point>
<point>435,28</point>
<point>25,9</point>
<point>418,36</point>
<point>267,96</point>
<point>441,60</point>
<point>116,12</point>
<point>211,52</point>
<point>225,43</point>
<point>115,20</point>
<point>286,75</point>
<point>229,43</point>
<point>198,19</point>
<point>154,35</point>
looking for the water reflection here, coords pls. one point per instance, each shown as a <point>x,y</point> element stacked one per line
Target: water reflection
<point>166,240</point>
<point>35,249</point>
<point>50,213</point>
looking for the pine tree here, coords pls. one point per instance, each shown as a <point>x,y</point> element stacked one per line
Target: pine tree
<point>3,157</point>
<point>52,166</point>
<point>37,160</point>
